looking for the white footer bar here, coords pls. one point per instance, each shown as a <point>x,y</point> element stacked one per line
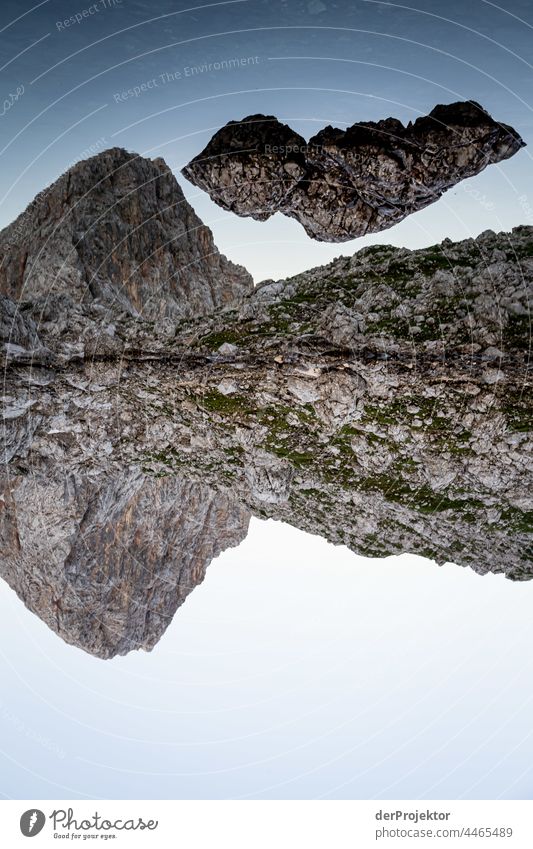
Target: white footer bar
<point>268,824</point>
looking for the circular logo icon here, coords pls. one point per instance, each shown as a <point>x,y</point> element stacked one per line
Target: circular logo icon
<point>32,822</point>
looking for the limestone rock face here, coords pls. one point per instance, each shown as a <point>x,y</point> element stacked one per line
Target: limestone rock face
<point>106,563</point>
<point>344,184</point>
<point>382,401</point>
<point>116,229</point>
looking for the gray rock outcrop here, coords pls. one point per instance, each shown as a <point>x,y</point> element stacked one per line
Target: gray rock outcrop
<point>116,230</point>
<point>347,183</point>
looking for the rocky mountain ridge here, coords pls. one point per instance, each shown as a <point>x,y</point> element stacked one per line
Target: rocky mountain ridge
<point>382,401</point>
<point>116,230</point>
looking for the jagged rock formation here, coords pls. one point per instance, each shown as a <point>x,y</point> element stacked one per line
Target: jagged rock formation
<point>107,562</point>
<point>116,230</point>
<point>344,184</point>
<point>383,401</point>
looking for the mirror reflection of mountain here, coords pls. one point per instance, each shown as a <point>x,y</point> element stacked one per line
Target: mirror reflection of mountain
<point>107,562</point>
<point>382,401</point>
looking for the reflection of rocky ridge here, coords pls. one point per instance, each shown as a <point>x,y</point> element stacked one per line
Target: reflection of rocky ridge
<point>106,564</point>
<point>117,229</point>
<point>382,401</point>
<point>343,184</point>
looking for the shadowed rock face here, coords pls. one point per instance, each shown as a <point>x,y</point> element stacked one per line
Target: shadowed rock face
<point>344,184</point>
<point>106,563</point>
<point>116,229</point>
<point>382,401</point>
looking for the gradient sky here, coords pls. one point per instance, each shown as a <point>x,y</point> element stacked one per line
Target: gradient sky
<point>296,670</point>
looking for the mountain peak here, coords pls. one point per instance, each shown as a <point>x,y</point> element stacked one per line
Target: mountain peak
<point>117,229</point>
